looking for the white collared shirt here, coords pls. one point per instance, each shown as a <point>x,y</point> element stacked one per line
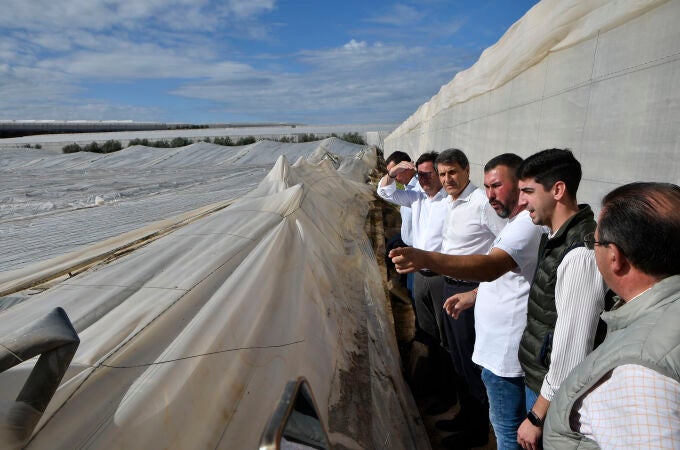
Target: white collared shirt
<point>632,406</point>
<point>471,224</point>
<point>579,300</point>
<point>427,214</point>
<point>406,214</point>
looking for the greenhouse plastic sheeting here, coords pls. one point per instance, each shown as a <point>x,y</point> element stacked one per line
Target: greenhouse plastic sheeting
<point>84,198</point>
<point>189,341</point>
<point>600,77</point>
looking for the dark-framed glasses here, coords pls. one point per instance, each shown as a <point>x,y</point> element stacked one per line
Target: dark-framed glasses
<point>425,174</point>
<point>590,242</point>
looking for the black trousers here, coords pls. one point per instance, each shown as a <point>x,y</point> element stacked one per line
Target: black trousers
<point>427,299</point>
<point>460,334</point>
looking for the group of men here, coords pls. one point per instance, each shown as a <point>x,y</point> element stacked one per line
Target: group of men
<point>510,284</point>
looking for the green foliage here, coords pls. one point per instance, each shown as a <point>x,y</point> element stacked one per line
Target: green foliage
<point>180,142</point>
<point>159,144</point>
<point>354,138</point>
<point>111,146</point>
<point>71,148</point>
<point>93,147</point>
<point>246,140</point>
<point>226,140</point>
<point>136,141</point>
<point>304,137</point>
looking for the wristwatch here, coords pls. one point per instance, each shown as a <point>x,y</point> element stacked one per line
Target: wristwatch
<point>534,419</point>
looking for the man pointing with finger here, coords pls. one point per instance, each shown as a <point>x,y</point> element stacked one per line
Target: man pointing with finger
<point>506,273</point>
<point>470,228</point>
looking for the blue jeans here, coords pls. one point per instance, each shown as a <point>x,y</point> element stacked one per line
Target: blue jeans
<point>531,397</point>
<point>506,407</point>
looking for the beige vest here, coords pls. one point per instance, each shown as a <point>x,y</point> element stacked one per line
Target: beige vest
<point>645,332</point>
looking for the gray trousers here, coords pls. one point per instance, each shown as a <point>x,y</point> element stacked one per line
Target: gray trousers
<point>428,293</point>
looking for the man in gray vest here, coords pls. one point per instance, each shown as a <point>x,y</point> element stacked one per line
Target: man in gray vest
<point>626,394</point>
<point>567,293</point>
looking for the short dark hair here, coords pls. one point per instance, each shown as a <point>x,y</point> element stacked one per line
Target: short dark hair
<point>452,156</point>
<point>548,167</point>
<point>643,220</point>
<point>425,157</point>
<point>509,160</point>
<point>397,157</point>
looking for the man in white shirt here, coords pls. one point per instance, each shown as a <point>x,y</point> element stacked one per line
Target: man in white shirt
<point>409,182</point>
<point>471,227</point>
<point>567,293</point>
<point>405,180</point>
<point>500,304</point>
<point>428,213</point>
<point>626,393</point>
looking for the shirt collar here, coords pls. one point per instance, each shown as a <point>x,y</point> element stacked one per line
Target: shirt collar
<point>626,313</point>
<point>465,195</point>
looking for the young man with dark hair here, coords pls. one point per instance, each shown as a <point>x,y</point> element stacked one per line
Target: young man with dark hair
<point>567,293</point>
<point>626,394</point>
<point>408,181</point>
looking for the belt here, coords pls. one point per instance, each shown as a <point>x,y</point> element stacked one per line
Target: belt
<point>427,273</point>
<point>457,282</point>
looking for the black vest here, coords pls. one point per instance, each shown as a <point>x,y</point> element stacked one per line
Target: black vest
<point>536,344</point>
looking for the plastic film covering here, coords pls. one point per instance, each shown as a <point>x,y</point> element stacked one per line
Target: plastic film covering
<point>189,341</point>
<point>600,77</point>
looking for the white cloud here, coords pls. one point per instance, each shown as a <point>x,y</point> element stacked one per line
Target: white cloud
<point>248,8</point>
<point>50,48</point>
<point>399,14</point>
<point>101,14</point>
<point>367,82</point>
<point>354,45</point>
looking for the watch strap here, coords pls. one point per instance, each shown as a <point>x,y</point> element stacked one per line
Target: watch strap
<point>534,419</point>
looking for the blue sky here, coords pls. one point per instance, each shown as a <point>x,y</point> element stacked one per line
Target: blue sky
<point>202,61</point>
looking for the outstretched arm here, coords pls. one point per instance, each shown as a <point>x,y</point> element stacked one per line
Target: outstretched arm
<point>465,267</point>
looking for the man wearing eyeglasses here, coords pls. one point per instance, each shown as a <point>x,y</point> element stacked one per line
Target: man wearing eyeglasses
<point>470,229</point>
<point>567,294</point>
<point>428,213</point>
<point>500,303</point>
<point>626,393</point>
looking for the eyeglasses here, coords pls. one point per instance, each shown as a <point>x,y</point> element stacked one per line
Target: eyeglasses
<point>590,242</point>
<point>425,174</point>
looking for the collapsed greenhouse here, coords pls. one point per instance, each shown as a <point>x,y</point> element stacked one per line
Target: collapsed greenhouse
<point>211,297</point>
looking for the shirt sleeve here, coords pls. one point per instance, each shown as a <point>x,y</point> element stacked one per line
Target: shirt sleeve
<point>579,300</point>
<point>520,239</point>
<point>632,407</point>
<point>398,196</point>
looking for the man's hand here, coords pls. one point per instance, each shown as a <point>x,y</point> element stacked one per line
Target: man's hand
<point>401,167</point>
<point>529,436</point>
<point>407,259</point>
<point>458,303</point>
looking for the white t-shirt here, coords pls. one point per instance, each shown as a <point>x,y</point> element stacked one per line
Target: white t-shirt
<point>501,306</point>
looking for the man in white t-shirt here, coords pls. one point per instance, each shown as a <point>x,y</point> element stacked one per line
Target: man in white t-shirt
<point>500,301</point>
